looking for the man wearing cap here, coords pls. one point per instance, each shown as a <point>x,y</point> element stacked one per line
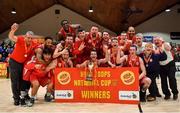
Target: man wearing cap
<point>23,50</point>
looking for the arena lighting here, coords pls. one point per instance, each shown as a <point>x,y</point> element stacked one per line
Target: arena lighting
<point>13,11</point>
<point>90,9</point>
<point>168,10</point>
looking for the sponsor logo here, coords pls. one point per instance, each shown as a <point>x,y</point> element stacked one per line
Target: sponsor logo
<point>128,95</point>
<point>127,77</point>
<point>64,94</point>
<point>64,78</point>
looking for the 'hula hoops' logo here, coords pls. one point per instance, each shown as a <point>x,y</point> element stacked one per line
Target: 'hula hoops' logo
<point>128,77</point>
<point>64,77</point>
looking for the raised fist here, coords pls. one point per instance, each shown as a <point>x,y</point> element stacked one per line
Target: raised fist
<point>14,27</point>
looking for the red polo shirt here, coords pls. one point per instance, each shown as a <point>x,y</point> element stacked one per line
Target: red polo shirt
<point>20,53</point>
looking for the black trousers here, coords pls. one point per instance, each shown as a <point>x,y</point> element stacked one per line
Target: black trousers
<point>168,71</point>
<point>17,82</point>
<point>153,89</point>
<point>16,71</point>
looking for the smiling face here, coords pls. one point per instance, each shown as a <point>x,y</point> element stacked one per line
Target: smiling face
<point>114,42</point>
<point>158,41</point>
<point>65,55</point>
<point>105,36</point>
<point>65,25</point>
<point>48,42</point>
<point>131,31</point>
<point>148,48</point>
<point>94,31</point>
<point>28,39</point>
<point>123,38</point>
<point>132,50</point>
<point>47,57</point>
<point>139,40</point>
<point>47,54</point>
<point>69,40</point>
<point>82,35</point>
<point>93,55</point>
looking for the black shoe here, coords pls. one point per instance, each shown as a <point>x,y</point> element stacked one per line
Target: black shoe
<point>175,96</point>
<point>27,97</point>
<point>30,102</point>
<point>142,96</point>
<point>167,97</point>
<point>16,102</point>
<point>151,98</point>
<point>22,101</point>
<point>158,95</point>
<point>149,95</point>
<point>47,98</point>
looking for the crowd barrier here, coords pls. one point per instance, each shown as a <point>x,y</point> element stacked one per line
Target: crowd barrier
<point>109,85</point>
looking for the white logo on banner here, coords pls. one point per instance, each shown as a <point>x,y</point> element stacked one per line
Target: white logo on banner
<point>128,95</point>
<point>64,94</point>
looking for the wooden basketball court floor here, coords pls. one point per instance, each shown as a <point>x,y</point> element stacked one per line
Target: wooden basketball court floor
<point>158,106</point>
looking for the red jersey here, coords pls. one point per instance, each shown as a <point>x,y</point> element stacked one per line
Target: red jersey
<point>113,56</point>
<point>32,73</point>
<point>62,64</point>
<point>70,31</point>
<point>133,62</point>
<point>132,38</point>
<point>21,52</point>
<point>126,47</point>
<point>92,43</point>
<point>81,56</point>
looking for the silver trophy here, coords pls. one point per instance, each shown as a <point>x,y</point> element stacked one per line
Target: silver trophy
<point>89,75</point>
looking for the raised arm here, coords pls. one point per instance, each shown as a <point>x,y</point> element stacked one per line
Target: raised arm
<point>38,51</point>
<point>58,51</point>
<point>107,56</point>
<point>11,35</point>
<point>143,69</point>
<point>122,59</point>
<point>70,63</point>
<point>119,55</point>
<point>75,25</point>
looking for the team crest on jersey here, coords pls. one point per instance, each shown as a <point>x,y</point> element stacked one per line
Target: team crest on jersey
<point>137,63</point>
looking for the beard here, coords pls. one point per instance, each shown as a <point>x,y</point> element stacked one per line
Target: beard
<point>157,44</point>
<point>93,35</point>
